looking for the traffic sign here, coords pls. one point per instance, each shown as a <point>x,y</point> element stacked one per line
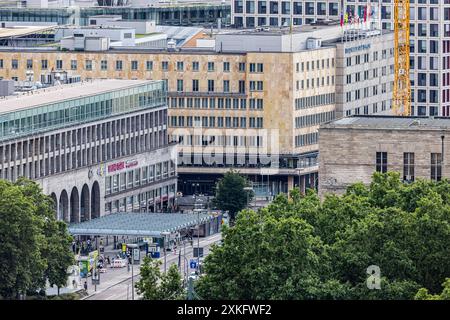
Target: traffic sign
<point>198,252</point>
<point>193,264</point>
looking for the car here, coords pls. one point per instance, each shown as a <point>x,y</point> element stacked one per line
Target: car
<point>119,263</point>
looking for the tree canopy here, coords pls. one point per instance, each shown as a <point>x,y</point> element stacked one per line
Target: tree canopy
<point>230,194</point>
<point>35,247</point>
<point>154,285</point>
<point>304,248</point>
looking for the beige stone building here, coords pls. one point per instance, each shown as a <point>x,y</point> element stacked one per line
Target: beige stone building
<point>352,149</point>
<point>254,102</point>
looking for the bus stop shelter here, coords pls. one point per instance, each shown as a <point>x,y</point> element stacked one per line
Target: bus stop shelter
<point>139,224</point>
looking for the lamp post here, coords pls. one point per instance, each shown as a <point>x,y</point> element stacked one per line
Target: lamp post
<point>132,246</point>
<point>247,190</point>
<point>165,234</point>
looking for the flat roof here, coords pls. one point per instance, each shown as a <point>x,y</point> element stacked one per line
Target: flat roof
<point>138,224</point>
<point>18,31</point>
<point>64,92</point>
<point>389,122</point>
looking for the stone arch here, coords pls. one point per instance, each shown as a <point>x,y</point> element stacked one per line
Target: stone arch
<point>55,204</point>
<point>74,206</point>
<point>85,204</point>
<point>95,201</point>
<point>64,206</point>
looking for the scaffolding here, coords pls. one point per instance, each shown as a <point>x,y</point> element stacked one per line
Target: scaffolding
<point>401,101</point>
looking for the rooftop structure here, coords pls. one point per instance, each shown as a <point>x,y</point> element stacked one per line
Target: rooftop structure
<point>391,122</point>
<point>139,224</point>
<point>59,106</point>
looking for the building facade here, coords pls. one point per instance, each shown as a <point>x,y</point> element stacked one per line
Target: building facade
<point>185,14</point>
<point>353,148</point>
<point>96,148</point>
<point>429,38</point>
<point>364,73</point>
<point>228,107</point>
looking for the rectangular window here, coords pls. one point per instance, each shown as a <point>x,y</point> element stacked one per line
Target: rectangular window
<point>134,65</point>
<point>104,65</point>
<point>381,162</point>
<point>226,67</point>
<point>408,166</point>
<point>195,66</point>
<point>149,65</point>
<point>436,166</point>
<point>119,65</point>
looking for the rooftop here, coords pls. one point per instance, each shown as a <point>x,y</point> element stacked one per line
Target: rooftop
<point>138,224</point>
<point>64,92</point>
<point>270,31</point>
<point>19,31</point>
<point>390,122</point>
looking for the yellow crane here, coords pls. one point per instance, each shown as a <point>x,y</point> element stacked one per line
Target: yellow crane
<point>401,100</point>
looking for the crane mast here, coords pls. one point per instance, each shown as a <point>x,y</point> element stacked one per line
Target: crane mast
<point>401,102</point>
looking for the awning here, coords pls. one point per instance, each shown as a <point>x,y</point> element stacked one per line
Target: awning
<point>139,224</point>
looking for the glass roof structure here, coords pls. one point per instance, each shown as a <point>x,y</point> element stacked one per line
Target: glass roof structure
<point>139,224</point>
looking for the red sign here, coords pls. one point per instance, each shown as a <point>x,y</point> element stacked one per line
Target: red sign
<point>122,165</point>
<point>116,166</point>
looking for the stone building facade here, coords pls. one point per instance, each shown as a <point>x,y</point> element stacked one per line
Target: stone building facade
<point>353,148</point>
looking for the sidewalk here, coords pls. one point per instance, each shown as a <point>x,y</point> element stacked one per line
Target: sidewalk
<point>112,277</point>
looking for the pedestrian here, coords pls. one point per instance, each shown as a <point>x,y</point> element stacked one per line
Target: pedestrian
<point>85,286</point>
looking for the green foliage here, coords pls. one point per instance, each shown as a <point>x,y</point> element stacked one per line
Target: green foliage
<point>35,247</point>
<point>153,285</point>
<point>230,194</point>
<point>423,294</point>
<point>303,248</point>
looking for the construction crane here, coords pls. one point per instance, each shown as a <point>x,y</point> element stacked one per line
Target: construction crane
<point>401,100</point>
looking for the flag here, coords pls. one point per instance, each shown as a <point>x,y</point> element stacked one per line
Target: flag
<point>342,18</point>
<point>346,18</point>
<point>365,13</point>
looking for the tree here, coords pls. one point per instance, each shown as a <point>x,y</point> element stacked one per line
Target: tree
<point>35,247</point>
<point>156,286</point>
<point>304,248</point>
<point>56,242</point>
<point>171,287</point>
<point>147,286</point>
<point>230,194</point>
<point>423,294</point>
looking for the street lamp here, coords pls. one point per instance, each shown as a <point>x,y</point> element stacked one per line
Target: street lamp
<point>165,234</point>
<point>132,246</point>
<point>197,202</point>
<point>248,189</point>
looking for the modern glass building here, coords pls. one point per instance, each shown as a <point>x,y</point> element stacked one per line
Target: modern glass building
<point>179,15</point>
<point>95,147</point>
<point>53,115</point>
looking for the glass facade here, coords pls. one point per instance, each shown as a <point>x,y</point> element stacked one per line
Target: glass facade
<point>164,15</point>
<point>81,110</point>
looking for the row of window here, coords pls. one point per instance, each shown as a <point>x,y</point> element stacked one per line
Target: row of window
<point>142,202</point>
<point>365,58</point>
<point>141,176</point>
<point>381,165</point>
<point>136,65</point>
<point>306,139</point>
<point>386,104</point>
<point>367,75</point>
<point>368,92</point>
<point>314,119</point>
<point>312,83</point>
<point>220,103</point>
<point>222,140</point>
<point>285,7</point>
<point>311,65</point>
<point>226,88</point>
<point>222,122</point>
<point>314,101</point>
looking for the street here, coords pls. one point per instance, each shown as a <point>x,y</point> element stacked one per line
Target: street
<point>116,283</point>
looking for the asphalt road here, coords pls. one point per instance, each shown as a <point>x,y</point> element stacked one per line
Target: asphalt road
<point>122,289</point>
